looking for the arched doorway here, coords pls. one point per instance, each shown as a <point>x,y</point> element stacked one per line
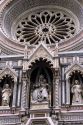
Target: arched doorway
<point>41,75</point>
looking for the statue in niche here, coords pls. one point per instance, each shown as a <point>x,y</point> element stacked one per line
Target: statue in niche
<point>6,93</point>
<point>40,92</point>
<point>77,92</point>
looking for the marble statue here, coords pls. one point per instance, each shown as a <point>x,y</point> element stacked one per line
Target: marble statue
<point>6,93</point>
<point>40,93</point>
<point>77,91</point>
<point>35,94</point>
<point>44,93</point>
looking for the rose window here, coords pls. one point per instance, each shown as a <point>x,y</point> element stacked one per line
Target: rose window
<point>47,26</point>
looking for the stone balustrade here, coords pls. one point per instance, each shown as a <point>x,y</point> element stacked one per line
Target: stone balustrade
<point>71,116</point>
<point>10,120</point>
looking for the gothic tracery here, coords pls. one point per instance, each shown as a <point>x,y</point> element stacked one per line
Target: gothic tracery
<point>47,26</point>
<point>41,62</point>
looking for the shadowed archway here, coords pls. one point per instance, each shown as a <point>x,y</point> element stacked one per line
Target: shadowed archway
<point>42,67</point>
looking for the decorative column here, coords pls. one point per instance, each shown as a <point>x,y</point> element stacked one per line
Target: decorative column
<point>19,95</point>
<point>56,77</point>
<point>19,88</point>
<point>14,93</point>
<point>56,89</point>
<point>63,92</point>
<point>24,79</point>
<point>54,81</point>
<point>63,89</point>
<point>24,88</point>
<point>67,91</point>
<point>28,90</point>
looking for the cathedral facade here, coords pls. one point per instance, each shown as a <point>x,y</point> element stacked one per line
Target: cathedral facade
<point>41,62</point>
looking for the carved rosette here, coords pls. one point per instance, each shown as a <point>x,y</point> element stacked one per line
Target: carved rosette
<point>45,26</point>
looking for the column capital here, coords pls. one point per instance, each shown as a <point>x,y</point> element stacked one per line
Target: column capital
<point>24,76</point>
<point>56,73</point>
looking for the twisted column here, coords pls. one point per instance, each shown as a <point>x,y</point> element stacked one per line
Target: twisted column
<point>56,88</point>
<point>24,88</point>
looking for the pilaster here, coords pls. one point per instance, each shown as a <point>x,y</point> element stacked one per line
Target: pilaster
<point>23,97</point>
<point>14,94</point>
<point>63,92</point>
<point>67,92</point>
<point>57,82</point>
<point>56,77</point>
<point>28,89</point>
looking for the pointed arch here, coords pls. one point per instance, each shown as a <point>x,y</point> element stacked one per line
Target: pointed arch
<point>74,68</point>
<point>41,67</point>
<point>9,76</point>
<point>8,71</point>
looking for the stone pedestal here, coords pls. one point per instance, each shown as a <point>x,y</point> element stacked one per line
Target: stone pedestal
<point>4,107</point>
<point>39,105</point>
<point>39,110</point>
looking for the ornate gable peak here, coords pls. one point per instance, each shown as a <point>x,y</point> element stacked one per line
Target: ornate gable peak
<point>8,71</point>
<point>73,67</point>
<point>41,51</point>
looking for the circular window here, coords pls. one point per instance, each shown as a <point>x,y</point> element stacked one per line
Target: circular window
<point>47,26</point>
